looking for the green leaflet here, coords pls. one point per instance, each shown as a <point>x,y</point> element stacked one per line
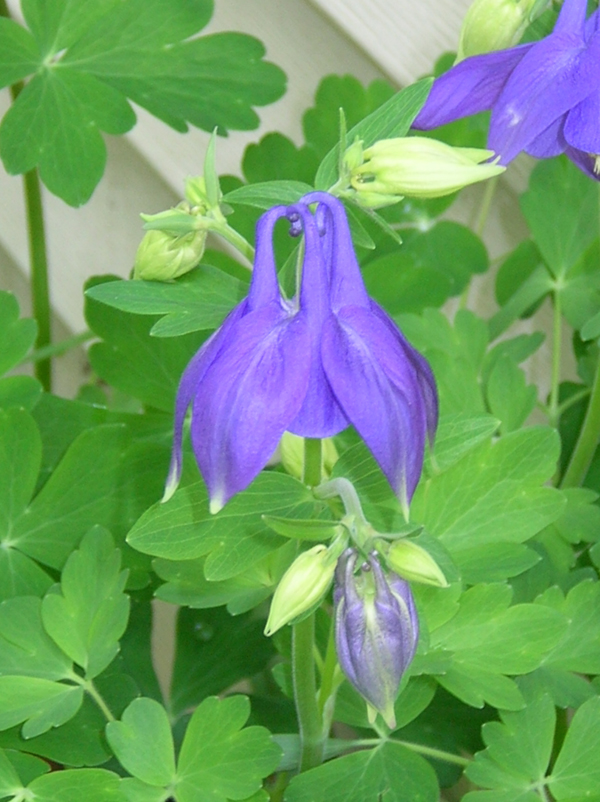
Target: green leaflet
<point>89,59</point>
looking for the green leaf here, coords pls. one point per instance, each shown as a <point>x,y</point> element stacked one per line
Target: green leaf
<point>494,494</point>
<point>276,158</point>
<point>143,743</point>
<point>456,435</point>
<point>509,397</point>
<point>391,119</point>
<point>28,766</point>
<point>20,456</point>
<point>561,208</point>
<point>40,703</point>
<point>17,336</point>
<point>533,289</point>
<point>20,391</point>
<point>269,193</point>
<point>219,759</point>
<point>83,491</point>
<point>136,791</point>
<point>198,301</point>
<point>132,360</point>
<point>488,638</point>
<point>351,708</point>
<point>89,614</point>
<point>302,530</point>
<point>93,785</point>
<point>576,772</point>
<point>88,59</point>
<point>214,652</point>
<point>234,538</point>
<point>517,755</point>
<point>25,647</point>
<point>10,784</point>
<point>390,771</point>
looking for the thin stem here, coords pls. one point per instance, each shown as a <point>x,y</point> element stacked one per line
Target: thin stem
<point>572,400</point>
<point>329,685</point>
<point>553,406</point>
<point>38,259</point>
<point>479,226</point>
<point>312,461</point>
<point>89,687</point>
<point>56,349</point>
<point>587,441</point>
<point>240,243</point>
<point>429,751</point>
<point>310,722</point>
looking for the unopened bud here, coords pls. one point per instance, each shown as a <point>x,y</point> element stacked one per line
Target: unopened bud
<point>412,562</point>
<point>493,25</point>
<point>302,586</point>
<point>162,256</point>
<point>421,167</point>
<point>376,630</point>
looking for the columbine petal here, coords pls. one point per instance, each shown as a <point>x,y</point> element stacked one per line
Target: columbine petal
<point>582,126</point>
<point>248,398</point>
<point>552,78</point>
<point>472,86</point>
<point>377,388</point>
<point>550,142</point>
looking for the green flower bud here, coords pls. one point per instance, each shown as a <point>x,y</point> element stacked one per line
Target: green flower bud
<point>302,586</point>
<point>493,25</point>
<point>421,167</point>
<point>162,256</point>
<point>412,562</point>
<point>291,448</point>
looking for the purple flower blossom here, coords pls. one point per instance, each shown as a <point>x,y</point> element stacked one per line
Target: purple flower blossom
<point>312,365</point>
<point>376,630</point>
<point>544,96</point>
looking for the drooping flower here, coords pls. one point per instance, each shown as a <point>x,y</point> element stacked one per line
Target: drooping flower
<point>312,365</point>
<point>544,96</point>
<point>376,630</point>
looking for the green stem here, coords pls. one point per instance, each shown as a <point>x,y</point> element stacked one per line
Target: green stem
<point>89,687</point>
<point>428,751</point>
<point>310,722</point>
<point>572,400</point>
<point>479,226</point>
<point>587,442</point>
<point>56,349</point>
<point>553,406</point>
<point>312,461</point>
<point>40,294</point>
<point>240,243</point>
<point>329,685</point>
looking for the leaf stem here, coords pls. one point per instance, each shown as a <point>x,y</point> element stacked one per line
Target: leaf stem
<point>329,682</point>
<point>89,687</point>
<point>38,259</point>
<point>479,226</point>
<point>553,406</point>
<point>587,441</point>
<point>56,349</point>
<point>421,749</point>
<point>312,461</point>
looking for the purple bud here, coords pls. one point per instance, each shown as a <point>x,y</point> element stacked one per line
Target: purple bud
<point>377,630</point>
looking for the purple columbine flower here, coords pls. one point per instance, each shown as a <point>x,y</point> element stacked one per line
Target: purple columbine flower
<point>376,630</point>
<point>544,96</point>
<point>312,365</point>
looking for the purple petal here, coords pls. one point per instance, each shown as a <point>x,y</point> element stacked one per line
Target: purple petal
<point>188,387</point>
<point>423,371</point>
<point>550,142</point>
<point>571,18</point>
<point>320,415</point>
<point>585,161</point>
<point>377,387</point>
<point>248,398</point>
<point>472,86</point>
<point>346,283</point>
<point>555,75</point>
<point>582,126</point>
<point>264,287</point>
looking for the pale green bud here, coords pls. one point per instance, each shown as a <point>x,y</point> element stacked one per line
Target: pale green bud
<point>195,191</point>
<point>413,563</point>
<point>291,448</point>
<point>162,256</point>
<point>302,586</point>
<point>421,167</point>
<point>493,25</point>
